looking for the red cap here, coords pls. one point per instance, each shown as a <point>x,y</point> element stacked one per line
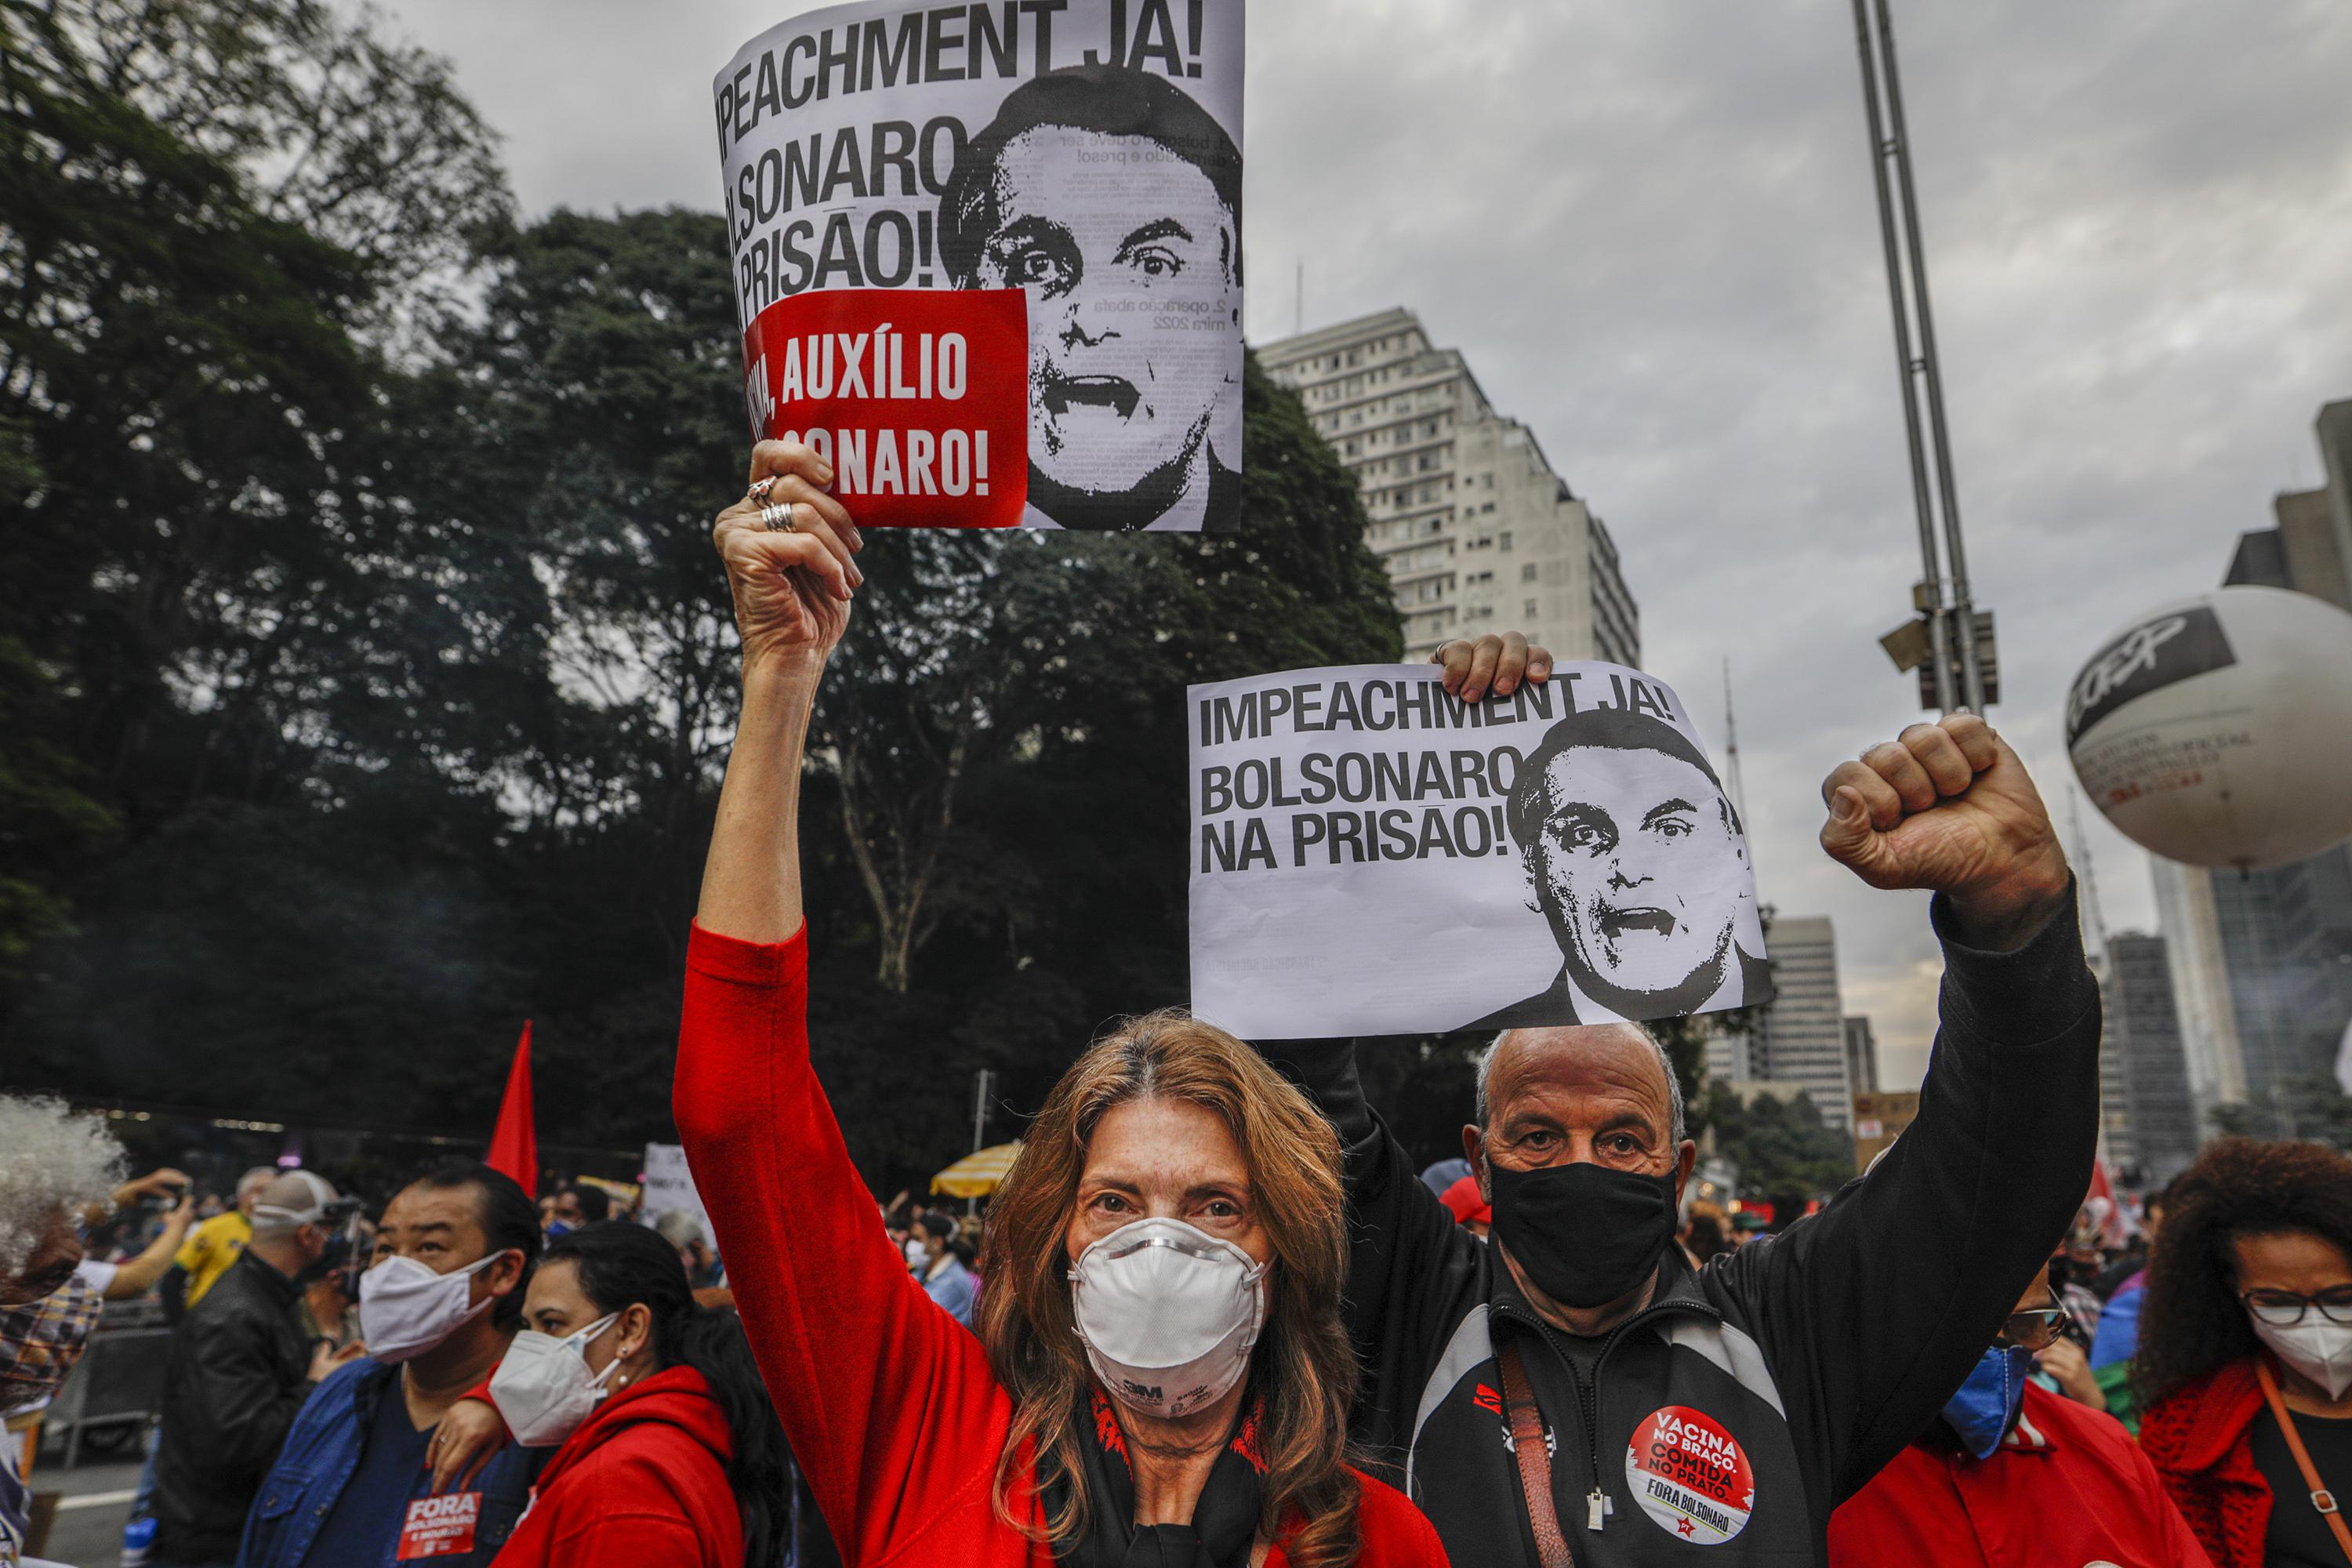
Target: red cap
<point>1468,1207</point>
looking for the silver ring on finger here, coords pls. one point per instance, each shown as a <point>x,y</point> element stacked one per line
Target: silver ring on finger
<point>759,488</point>
<point>778,519</point>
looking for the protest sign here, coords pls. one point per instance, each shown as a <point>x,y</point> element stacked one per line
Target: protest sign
<point>1371,855</point>
<point>987,256</point>
<point>670,1185</point>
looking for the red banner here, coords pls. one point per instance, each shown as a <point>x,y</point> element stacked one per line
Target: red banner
<point>918,397</point>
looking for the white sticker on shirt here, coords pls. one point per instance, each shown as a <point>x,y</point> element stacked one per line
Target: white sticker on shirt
<point>1690,1476</point>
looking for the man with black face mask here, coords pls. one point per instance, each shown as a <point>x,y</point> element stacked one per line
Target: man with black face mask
<point>1575,1392</point>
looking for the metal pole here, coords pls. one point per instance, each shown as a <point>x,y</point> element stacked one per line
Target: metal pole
<point>1947,490</point>
<point>1938,639</point>
<point>978,1126</point>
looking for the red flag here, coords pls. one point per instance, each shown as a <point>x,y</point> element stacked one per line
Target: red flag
<point>514,1142</point>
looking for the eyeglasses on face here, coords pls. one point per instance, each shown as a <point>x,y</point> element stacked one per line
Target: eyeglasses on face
<point>2285,1308</point>
<point>2036,1328</point>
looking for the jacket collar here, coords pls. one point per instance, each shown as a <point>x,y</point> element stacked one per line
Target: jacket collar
<point>266,1276</point>
<point>2033,1431</point>
<point>674,1396</point>
<point>1678,1290</point>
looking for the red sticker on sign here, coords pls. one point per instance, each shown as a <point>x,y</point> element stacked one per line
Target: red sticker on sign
<point>439,1526</point>
<point>918,397</point>
<point>1690,1476</point>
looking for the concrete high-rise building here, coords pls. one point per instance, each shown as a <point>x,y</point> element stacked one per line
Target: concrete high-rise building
<point>1800,1036</point>
<point>2115,1092</point>
<point>2203,1010</point>
<point>2143,1033</point>
<point>2272,949</point>
<point>1861,1057</point>
<point>1728,1055</point>
<point>1478,532</point>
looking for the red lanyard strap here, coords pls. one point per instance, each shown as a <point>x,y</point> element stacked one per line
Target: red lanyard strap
<point>1534,1458</point>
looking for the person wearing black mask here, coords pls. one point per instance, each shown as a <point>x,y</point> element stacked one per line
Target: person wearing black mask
<point>1577,1380</point>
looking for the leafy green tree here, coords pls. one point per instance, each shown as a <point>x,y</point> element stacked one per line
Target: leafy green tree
<point>48,823</point>
<point>208,212</point>
<point>391,637</point>
<point>1786,1153</point>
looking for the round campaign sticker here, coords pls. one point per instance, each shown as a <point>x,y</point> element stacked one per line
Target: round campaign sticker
<point>1690,1476</point>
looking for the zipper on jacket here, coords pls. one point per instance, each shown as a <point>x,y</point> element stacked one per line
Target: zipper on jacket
<point>1597,1505</point>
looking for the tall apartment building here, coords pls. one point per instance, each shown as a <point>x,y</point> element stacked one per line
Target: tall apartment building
<point>1860,1056</point>
<point>1800,1036</point>
<point>2143,1033</point>
<point>1478,532</point>
<point>2115,1094</point>
<point>2262,961</point>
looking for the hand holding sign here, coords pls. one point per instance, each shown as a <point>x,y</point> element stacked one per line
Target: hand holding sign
<point>1494,663</point>
<point>1949,808</point>
<point>791,587</point>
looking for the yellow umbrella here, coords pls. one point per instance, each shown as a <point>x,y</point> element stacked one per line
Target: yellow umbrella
<point>977,1173</point>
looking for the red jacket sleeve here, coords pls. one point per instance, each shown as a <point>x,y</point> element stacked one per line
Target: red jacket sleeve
<point>889,1403</point>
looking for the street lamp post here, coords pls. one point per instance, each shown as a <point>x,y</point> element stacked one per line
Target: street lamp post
<point>1946,624</point>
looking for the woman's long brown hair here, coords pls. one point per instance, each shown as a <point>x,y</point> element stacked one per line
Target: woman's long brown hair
<point>1303,1366</point>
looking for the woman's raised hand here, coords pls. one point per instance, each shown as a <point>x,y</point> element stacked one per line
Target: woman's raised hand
<point>792,584</point>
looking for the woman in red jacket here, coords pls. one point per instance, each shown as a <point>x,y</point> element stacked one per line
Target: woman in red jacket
<point>2245,1349</point>
<point>669,1452</point>
<point>1161,1374</point>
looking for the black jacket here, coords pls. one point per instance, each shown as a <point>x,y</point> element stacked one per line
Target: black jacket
<point>238,1373</point>
<point>1722,1423</point>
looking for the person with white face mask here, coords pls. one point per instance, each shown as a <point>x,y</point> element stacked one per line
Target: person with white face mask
<point>2245,1352</point>
<point>1159,1373</point>
<point>665,1447</point>
<point>438,1305</point>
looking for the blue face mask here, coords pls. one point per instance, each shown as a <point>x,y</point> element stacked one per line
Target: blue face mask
<point>1986,1407</point>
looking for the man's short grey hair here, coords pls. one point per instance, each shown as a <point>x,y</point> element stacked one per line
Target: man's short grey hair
<point>50,1159</point>
<point>255,1179</point>
<point>1665,1065</point>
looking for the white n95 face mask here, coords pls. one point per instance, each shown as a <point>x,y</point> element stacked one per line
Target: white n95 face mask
<point>405,1309</point>
<point>544,1388</point>
<point>1167,1314</point>
<point>2318,1347</point>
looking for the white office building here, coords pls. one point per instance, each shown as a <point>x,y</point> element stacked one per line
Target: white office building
<point>1478,532</point>
<point>1800,1037</point>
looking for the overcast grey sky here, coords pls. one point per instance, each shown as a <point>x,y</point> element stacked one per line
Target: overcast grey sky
<point>1649,224</point>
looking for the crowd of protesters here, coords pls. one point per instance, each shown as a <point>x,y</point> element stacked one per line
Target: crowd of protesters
<point>1213,1316</point>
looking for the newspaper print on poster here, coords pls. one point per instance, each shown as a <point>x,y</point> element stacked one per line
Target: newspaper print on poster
<point>1371,856</point>
<point>1077,161</point>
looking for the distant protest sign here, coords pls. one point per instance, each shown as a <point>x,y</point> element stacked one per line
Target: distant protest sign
<point>669,1186</point>
<point>1371,856</point>
<point>987,256</point>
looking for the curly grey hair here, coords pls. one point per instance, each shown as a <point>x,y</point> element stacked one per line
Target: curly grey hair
<point>1665,1065</point>
<point>50,1159</point>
